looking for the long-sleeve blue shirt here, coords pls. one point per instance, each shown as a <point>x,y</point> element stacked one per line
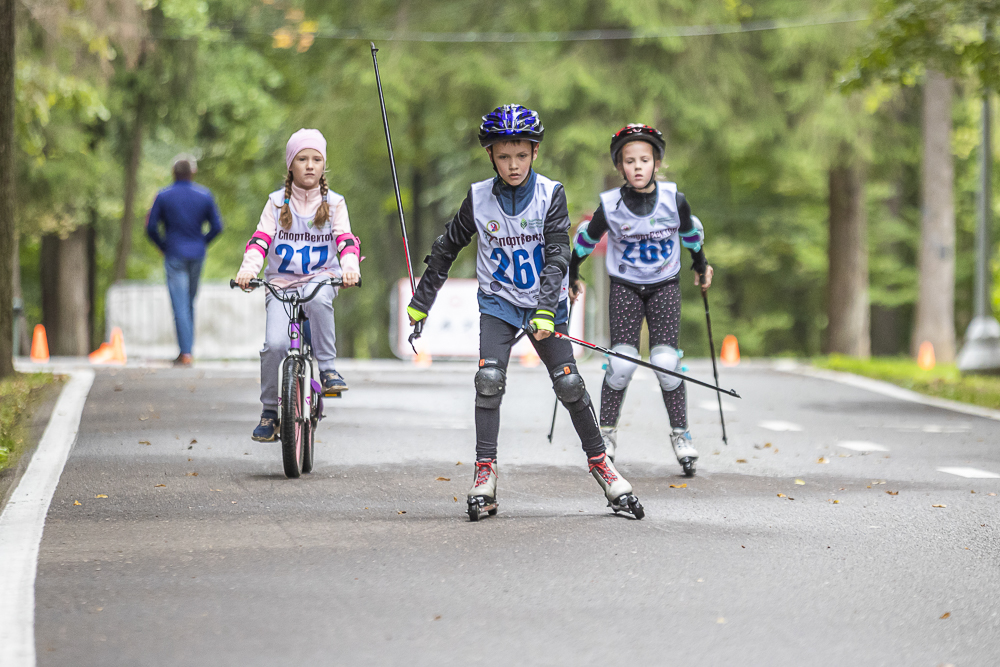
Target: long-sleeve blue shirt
<point>183,208</point>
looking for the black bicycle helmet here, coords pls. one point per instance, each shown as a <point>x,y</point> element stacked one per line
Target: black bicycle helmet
<point>637,132</point>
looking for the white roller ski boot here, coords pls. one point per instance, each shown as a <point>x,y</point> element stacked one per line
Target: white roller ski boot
<point>686,454</point>
<point>483,494</point>
<point>616,488</point>
<point>609,434</point>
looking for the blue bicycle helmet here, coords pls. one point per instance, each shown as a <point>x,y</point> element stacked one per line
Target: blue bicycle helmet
<point>510,122</point>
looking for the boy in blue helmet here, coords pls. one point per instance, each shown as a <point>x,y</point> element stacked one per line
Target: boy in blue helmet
<point>522,224</point>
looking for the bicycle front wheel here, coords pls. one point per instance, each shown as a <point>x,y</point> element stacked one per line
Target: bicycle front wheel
<point>293,417</point>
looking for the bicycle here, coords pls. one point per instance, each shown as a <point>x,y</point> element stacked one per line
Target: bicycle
<point>300,394</point>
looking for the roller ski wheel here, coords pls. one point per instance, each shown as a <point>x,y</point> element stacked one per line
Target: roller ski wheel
<point>687,455</point>
<point>627,503</point>
<point>617,489</point>
<point>480,506</point>
<point>482,496</point>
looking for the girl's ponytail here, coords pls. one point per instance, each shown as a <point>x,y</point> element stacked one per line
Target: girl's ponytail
<point>286,214</point>
<point>323,212</point>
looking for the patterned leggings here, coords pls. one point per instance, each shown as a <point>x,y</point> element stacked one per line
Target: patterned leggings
<point>661,307</point>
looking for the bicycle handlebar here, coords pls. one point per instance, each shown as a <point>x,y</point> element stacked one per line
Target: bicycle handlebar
<point>257,282</point>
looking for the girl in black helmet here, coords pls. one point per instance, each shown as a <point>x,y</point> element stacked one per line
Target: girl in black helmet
<point>522,224</point>
<point>647,222</point>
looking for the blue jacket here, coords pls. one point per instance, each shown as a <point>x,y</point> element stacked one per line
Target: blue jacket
<point>183,208</point>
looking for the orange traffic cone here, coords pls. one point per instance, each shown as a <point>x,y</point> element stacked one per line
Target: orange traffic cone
<point>102,355</point>
<point>39,345</point>
<point>117,347</point>
<point>925,356</point>
<point>730,351</point>
<point>530,359</point>
<point>423,359</point>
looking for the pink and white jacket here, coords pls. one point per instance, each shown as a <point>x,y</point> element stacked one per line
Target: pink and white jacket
<point>302,251</point>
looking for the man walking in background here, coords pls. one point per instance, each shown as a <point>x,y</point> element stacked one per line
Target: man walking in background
<point>183,208</point>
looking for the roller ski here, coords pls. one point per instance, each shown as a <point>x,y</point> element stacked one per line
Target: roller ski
<point>686,454</point>
<point>616,488</point>
<point>609,434</point>
<point>482,496</point>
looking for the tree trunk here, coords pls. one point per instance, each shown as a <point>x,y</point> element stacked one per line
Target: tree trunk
<point>65,298</point>
<point>131,186</point>
<point>7,244</point>
<point>848,330</point>
<point>935,314</point>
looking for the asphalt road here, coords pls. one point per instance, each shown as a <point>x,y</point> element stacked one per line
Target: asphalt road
<point>202,553</point>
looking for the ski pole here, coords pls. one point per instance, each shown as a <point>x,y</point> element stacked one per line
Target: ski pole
<point>646,364</point>
<point>418,328</point>
<point>555,408</point>
<point>715,369</point>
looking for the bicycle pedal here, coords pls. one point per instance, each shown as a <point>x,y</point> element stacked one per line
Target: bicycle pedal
<point>335,394</point>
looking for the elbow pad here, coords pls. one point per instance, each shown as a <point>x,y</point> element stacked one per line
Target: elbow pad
<point>259,241</point>
<point>694,237</point>
<point>583,245</point>
<point>349,243</point>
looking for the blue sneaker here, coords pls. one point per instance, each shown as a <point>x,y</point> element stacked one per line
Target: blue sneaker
<point>267,429</point>
<point>333,382</point>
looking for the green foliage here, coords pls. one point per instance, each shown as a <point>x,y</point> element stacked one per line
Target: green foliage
<point>943,381</point>
<point>18,396</point>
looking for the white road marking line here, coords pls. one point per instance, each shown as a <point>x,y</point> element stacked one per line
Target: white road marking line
<point>23,521</point>
<point>937,428</point>
<point>970,473</point>
<point>862,446</point>
<point>779,426</point>
<point>886,389</point>
<point>713,406</point>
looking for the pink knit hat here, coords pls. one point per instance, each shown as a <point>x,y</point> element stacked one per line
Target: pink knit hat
<point>302,140</point>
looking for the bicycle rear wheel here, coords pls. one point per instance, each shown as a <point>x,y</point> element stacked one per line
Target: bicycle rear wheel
<point>293,418</point>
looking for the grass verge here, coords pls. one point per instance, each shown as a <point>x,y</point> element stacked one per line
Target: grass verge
<point>19,396</point>
<point>944,380</point>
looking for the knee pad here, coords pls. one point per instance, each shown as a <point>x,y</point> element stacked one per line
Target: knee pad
<point>669,358</point>
<point>491,382</point>
<point>619,372</point>
<point>568,384</point>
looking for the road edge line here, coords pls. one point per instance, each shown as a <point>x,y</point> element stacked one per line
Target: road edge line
<point>22,522</point>
<point>891,390</point>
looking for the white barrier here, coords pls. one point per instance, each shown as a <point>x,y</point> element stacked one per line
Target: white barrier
<point>228,323</point>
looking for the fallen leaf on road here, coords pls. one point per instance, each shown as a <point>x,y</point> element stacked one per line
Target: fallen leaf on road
<point>822,459</point>
<point>878,481</point>
<point>101,495</point>
<point>741,460</point>
<point>77,502</point>
<point>844,456</point>
<point>142,419</point>
<point>781,495</point>
<point>938,505</point>
<point>193,442</point>
<point>192,474</point>
<point>971,491</point>
<point>767,444</point>
<point>443,479</point>
<point>775,450</point>
<point>947,614</point>
<point>437,618</point>
<point>991,494</point>
<point>459,463</point>
<point>160,485</point>
<point>401,512</point>
<point>455,497</point>
<point>799,482</point>
<point>893,493</point>
<point>678,486</point>
<point>835,502</point>
<point>145,442</point>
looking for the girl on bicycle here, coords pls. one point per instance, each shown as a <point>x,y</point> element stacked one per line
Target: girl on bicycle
<point>647,221</point>
<point>305,235</point>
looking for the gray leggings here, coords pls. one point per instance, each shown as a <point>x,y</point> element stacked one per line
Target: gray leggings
<point>324,337</point>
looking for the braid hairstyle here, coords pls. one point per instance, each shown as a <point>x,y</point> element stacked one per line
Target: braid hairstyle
<point>323,212</point>
<point>286,214</point>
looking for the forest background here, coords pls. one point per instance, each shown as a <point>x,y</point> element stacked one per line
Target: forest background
<point>773,152</point>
